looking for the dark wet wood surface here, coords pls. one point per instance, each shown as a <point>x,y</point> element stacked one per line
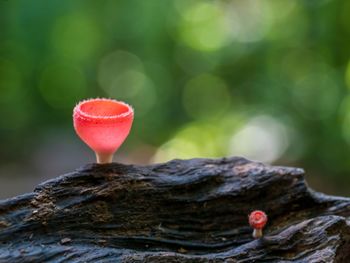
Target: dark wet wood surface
<point>181,211</point>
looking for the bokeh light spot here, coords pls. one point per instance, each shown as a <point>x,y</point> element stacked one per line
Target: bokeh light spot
<point>287,14</point>
<point>201,139</point>
<point>121,75</point>
<point>248,20</point>
<point>194,140</point>
<point>117,68</point>
<point>76,36</point>
<point>262,138</point>
<point>203,27</point>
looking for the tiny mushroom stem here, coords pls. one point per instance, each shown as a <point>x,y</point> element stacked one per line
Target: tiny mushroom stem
<point>104,157</point>
<point>103,124</point>
<point>257,220</point>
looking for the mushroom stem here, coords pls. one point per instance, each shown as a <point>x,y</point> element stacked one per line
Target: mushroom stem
<point>104,157</point>
<point>257,233</point>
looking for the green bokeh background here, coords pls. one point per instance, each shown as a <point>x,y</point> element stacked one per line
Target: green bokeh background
<point>268,80</point>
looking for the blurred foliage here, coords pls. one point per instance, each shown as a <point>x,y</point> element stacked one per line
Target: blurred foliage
<point>268,79</point>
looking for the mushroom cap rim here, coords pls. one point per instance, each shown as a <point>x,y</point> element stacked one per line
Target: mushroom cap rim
<point>77,112</point>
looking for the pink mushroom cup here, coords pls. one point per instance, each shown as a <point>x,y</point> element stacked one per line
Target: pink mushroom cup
<point>103,124</point>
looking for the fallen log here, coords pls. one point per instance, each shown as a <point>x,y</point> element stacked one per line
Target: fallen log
<point>181,211</point>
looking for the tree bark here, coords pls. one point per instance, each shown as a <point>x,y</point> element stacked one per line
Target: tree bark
<point>181,211</point>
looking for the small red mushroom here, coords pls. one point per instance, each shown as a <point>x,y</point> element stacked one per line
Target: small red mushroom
<point>103,124</point>
<point>257,220</point>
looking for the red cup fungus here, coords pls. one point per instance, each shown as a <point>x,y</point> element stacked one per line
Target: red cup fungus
<point>257,220</point>
<point>103,124</point>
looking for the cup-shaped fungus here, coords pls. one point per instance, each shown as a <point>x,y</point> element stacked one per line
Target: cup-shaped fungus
<point>257,220</point>
<point>103,124</point>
